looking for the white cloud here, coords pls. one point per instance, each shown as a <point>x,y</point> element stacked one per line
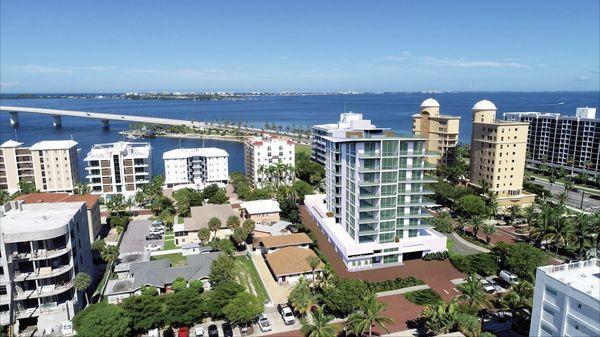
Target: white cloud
<point>583,78</point>
<point>396,58</point>
<point>7,85</point>
<point>462,63</point>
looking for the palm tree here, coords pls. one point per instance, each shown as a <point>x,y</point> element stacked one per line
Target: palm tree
<point>441,317</point>
<point>81,282</point>
<point>327,278</point>
<point>562,199</point>
<point>313,262</point>
<point>461,223</point>
<point>128,204</point>
<point>320,326</point>
<point>249,225</point>
<point>473,294</point>
<point>584,234</point>
<point>233,222</point>
<point>493,205</point>
<point>529,213</point>
<point>476,225</point>
<point>485,186</point>
<point>514,211</point>
<point>204,235</point>
<point>214,224</point>
<point>568,184</point>
<point>82,188</point>
<point>488,229</point>
<point>560,232</point>
<point>368,313</point>
<point>301,297</point>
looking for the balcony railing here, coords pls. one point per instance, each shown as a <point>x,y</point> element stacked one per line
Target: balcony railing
<point>34,275</point>
<point>43,254</point>
<point>44,291</point>
<point>369,154</point>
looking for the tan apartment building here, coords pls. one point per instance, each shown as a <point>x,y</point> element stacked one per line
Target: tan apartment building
<point>50,165</point>
<point>498,155</point>
<point>118,168</point>
<point>441,132</point>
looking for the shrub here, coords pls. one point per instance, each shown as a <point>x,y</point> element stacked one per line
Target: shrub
<point>423,297</point>
<point>435,256</point>
<point>482,264</point>
<point>397,283</point>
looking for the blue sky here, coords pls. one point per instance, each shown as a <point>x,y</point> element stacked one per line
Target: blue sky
<point>99,46</point>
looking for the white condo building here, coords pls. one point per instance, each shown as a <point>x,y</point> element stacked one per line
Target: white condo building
<point>42,247</point>
<point>373,212</point>
<point>50,165</point>
<point>118,168</point>
<point>196,167</point>
<point>264,151</point>
<point>566,300</point>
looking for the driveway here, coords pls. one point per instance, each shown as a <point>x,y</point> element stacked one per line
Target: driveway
<point>437,274</point>
<point>278,292</point>
<point>134,238</point>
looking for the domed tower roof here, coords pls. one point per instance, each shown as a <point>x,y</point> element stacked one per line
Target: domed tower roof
<point>430,103</point>
<point>484,105</point>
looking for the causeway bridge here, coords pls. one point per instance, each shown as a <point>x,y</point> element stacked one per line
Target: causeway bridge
<point>57,115</point>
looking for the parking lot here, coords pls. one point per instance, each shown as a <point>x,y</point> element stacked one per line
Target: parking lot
<point>134,238</point>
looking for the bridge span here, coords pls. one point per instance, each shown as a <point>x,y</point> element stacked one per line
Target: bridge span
<point>57,115</point>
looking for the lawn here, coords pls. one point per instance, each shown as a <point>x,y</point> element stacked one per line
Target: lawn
<point>423,297</point>
<point>169,243</point>
<point>176,259</point>
<point>303,148</point>
<point>450,245</point>
<point>248,276</point>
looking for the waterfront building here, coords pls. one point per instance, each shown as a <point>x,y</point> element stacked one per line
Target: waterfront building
<point>265,151</point>
<point>566,300</point>
<point>570,142</point>
<point>118,168</point>
<point>441,132</point>
<point>92,203</point>
<point>497,160</point>
<point>42,248</point>
<point>374,210</point>
<point>50,165</point>
<point>196,167</point>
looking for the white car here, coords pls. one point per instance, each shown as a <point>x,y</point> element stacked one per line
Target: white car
<point>155,230</point>
<point>487,286</point>
<point>152,247</point>
<point>199,332</point>
<point>263,323</point>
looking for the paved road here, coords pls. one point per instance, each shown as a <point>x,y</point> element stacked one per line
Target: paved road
<point>134,239</point>
<point>574,198</point>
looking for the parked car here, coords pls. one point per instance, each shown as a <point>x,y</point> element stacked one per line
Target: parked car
<point>151,237</point>
<point>183,331</point>
<point>153,333</point>
<point>487,286</point>
<point>286,313</point>
<point>508,277</point>
<point>227,330</point>
<point>199,332</point>
<point>157,230</point>
<point>263,323</point>
<point>152,247</point>
<point>213,331</point>
<point>156,223</point>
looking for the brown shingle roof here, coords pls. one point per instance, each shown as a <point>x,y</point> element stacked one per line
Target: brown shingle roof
<point>34,198</point>
<point>291,260</point>
<point>295,239</point>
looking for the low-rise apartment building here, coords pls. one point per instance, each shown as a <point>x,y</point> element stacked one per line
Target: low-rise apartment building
<point>498,155</point>
<point>265,151</point>
<point>264,212</point>
<point>566,300</point>
<point>196,167</point>
<point>374,210</point>
<point>118,168</point>
<point>50,165</point>
<point>42,248</point>
<point>569,142</point>
<point>441,132</point>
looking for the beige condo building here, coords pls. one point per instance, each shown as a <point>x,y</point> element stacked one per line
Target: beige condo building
<point>50,165</point>
<point>441,132</point>
<point>498,155</point>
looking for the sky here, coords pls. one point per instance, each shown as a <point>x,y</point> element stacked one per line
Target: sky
<point>384,45</point>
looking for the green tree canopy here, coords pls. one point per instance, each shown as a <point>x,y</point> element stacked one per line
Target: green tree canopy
<point>222,270</point>
<point>233,222</point>
<point>344,296</point>
<point>302,188</point>
<point>220,296</point>
<point>520,258</point>
<point>185,307</point>
<point>179,284</point>
<point>102,319</point>
<point>145,312</point>
<point>471,206</point>
<point>244,307</point>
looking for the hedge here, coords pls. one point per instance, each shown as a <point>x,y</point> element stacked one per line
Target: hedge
<point>397,283</point>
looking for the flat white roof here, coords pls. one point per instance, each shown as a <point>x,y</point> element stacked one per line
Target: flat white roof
<point>33,218</point>
<point>11,143</point>
<point>127,149</point>
<point>53,145</point>
<point>583,276</point>
<point>195,152</point>
<point>261,206</point>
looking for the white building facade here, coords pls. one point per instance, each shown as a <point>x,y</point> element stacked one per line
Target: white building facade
<point>267,151</point>
<point>196,167</point>
<point>119,168</point>
<point>42,248</point>
<point>373,211</point>
<point>566,300</point>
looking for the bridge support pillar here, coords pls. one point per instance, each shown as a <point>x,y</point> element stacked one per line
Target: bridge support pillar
<point>105,124</point>
<point>57,121</point>
<point>14,118</point>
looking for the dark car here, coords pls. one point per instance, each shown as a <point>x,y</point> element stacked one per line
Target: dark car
<point>213,331</point>
<point>150,237</point>
<point>227,330</point>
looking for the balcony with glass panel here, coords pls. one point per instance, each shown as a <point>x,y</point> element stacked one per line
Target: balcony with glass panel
<point>369,165</point>
<point>368,192</point>
<point>367,179</point>
<point>368,205</point>
<point>367,229</point>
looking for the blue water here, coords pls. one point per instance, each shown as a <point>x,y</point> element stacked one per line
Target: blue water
<point>387,110</point>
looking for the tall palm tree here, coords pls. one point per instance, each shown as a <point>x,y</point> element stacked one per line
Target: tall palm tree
<point>368,313</point>
<point>529,213</point>
<point>560,232</point>
<point>514,211</point>
<point>493,204</point>
<point>313,262</point>
<point>441,317</point>
<point>562,199</point>
<point>461,223</point>
<point>81,282</point>
<point>568,185</point>
<point>473,294</point>
<point>320,326</point>
<point>327,278</point>
<point>476,225</point>
<point>488,229</point>
<point>583,233</point>
<point>82,187</point>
